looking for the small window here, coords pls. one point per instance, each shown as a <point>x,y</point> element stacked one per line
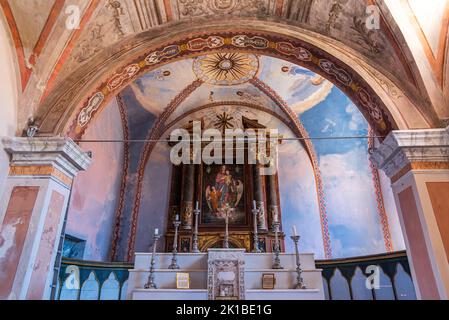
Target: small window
<point>73,247</point>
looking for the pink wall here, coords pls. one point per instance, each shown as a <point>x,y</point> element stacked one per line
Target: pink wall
<point>417,245</point>
<point>42,264</point>
<point>95,192</point>
<point>14,228</point>
<point>438,192</point>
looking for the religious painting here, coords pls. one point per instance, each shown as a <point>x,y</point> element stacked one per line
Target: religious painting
<point>223,188</point>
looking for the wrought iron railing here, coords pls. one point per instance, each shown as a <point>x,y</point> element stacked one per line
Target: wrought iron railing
<point>375,277</point>
<point>378,277</point>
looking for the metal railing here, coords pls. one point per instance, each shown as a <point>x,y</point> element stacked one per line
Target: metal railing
<point>376,277</point>
<point>88,280</point>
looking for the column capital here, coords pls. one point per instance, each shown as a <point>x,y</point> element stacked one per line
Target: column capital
<point>61,153</point>
<point>403,150</point>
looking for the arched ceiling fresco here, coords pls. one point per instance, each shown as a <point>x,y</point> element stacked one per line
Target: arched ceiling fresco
<point>56,41</point>
<point>300,88</point>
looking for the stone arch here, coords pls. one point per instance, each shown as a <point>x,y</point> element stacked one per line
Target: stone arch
<point>115,67</point>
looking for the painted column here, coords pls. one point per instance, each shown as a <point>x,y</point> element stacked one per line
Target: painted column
<point>32,208</point>
<point>259,183</point>
<point>188,190</point>
<point>417,162</point>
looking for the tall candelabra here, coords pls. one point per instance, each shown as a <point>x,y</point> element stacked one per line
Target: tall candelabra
<point>174,260</point>
<point>255,235</point>
<point>195,232</point>
<point>299,279</point>
<point>150,283</point>
<point>277,249</point>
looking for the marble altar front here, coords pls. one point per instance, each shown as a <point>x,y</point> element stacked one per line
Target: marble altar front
<point>225,274</point>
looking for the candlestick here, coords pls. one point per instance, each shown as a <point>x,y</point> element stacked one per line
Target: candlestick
<point>277,260</point>
<point>195,232</point>
<point>299,280</point>
<point>255,234</point>
<point>226,239</point>
<point>174,261</point>
<point>150,283</point>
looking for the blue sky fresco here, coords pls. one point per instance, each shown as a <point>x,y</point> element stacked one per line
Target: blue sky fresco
<point>354,223</point>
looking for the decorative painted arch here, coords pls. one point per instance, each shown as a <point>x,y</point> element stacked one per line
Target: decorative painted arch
<point>291,50</point>
<point>57,111</point>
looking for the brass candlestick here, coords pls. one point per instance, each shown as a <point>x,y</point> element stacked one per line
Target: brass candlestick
<point>150,283</point>
<point>299,279</point>
<point>255,234</point>
<point>195,232</point>
<point>226,238</point>
<point>174,260</point>
<point>277,249</point>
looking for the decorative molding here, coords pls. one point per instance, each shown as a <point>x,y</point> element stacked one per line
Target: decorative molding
<point>297,10</point>
<point>60,153</point>
<point>186,9</point>
<point>383,217</point>
<point>41,171</point>
<point>126,158</point>
<point>402,151</point>
<point>420,166</point>
<point>147,14</point>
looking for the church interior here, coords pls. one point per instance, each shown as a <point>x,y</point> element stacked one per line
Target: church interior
<point>352,94</point>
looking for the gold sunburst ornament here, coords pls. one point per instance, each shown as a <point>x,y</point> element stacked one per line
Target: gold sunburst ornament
<point>226,69</point>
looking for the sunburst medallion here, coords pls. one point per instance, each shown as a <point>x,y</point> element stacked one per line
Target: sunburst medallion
<point>224,121</point>
<point>226,69</point>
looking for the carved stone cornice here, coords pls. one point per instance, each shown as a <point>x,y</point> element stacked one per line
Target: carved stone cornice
<point>402,149</point>
<point>58,152</point>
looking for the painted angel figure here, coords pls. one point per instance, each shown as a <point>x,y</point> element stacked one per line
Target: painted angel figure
<point>226,191</point>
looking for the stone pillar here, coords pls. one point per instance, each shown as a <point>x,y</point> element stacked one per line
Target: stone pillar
<point>188,192</point>
<point>259,183</point>
<point>32,209</point>
<point>273,206</point>
<point>417,163</point>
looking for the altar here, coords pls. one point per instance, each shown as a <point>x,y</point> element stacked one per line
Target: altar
<point>224,238</point>
<point>224,274</point>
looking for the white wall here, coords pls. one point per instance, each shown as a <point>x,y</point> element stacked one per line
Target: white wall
<point>8,96</point>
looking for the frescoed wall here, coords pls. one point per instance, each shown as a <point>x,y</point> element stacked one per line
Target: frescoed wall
<point>354,220</point>
<point>94,196</point>
<point>155,198</point>
<point>298,195</point>
<point>353,215</point>
<point>8,98</point>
